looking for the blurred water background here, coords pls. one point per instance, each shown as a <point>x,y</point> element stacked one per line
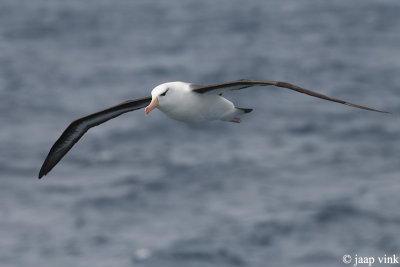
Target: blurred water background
<point>300,182</point>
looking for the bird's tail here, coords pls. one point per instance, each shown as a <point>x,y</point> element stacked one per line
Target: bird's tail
<point>235,115</point>
<point>244,110</point>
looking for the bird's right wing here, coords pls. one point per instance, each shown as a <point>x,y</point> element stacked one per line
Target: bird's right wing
<point>79,127</point>
<point>245,83</point>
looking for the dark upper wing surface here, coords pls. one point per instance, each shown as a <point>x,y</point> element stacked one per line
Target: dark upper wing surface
<point>244,83</point>
<point>79,127</point>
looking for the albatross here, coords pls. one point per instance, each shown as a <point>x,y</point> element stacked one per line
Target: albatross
<point>180,101</point>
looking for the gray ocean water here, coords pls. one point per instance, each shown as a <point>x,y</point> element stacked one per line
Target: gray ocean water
<point>300,182</point>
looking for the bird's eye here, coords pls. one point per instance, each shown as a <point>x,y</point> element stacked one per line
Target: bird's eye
<point>163,94</point>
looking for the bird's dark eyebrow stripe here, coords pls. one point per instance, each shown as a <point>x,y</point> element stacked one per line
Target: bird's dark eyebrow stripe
<point>163,94</point>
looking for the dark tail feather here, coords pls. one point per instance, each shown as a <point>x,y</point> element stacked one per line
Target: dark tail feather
<point>246,110</point>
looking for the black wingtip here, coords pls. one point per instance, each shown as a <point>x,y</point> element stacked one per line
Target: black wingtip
<point>366,108</point>
<point>43,170</point>
<point>41,174</point>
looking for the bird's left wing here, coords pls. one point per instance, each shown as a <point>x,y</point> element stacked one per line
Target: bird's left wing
<point>245,83</point>
<point>79,127</point>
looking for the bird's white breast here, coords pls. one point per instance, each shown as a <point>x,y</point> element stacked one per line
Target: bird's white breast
<point>186,105</point>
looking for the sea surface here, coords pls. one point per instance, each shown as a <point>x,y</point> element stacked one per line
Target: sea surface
<point>300,182</point>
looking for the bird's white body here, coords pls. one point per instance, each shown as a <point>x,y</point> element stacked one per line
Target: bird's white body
<point>181,103</point>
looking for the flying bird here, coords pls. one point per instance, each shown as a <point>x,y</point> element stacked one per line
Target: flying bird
<point>178,100</point>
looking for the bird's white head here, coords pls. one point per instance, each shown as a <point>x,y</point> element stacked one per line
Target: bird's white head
<point>164,95</point>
